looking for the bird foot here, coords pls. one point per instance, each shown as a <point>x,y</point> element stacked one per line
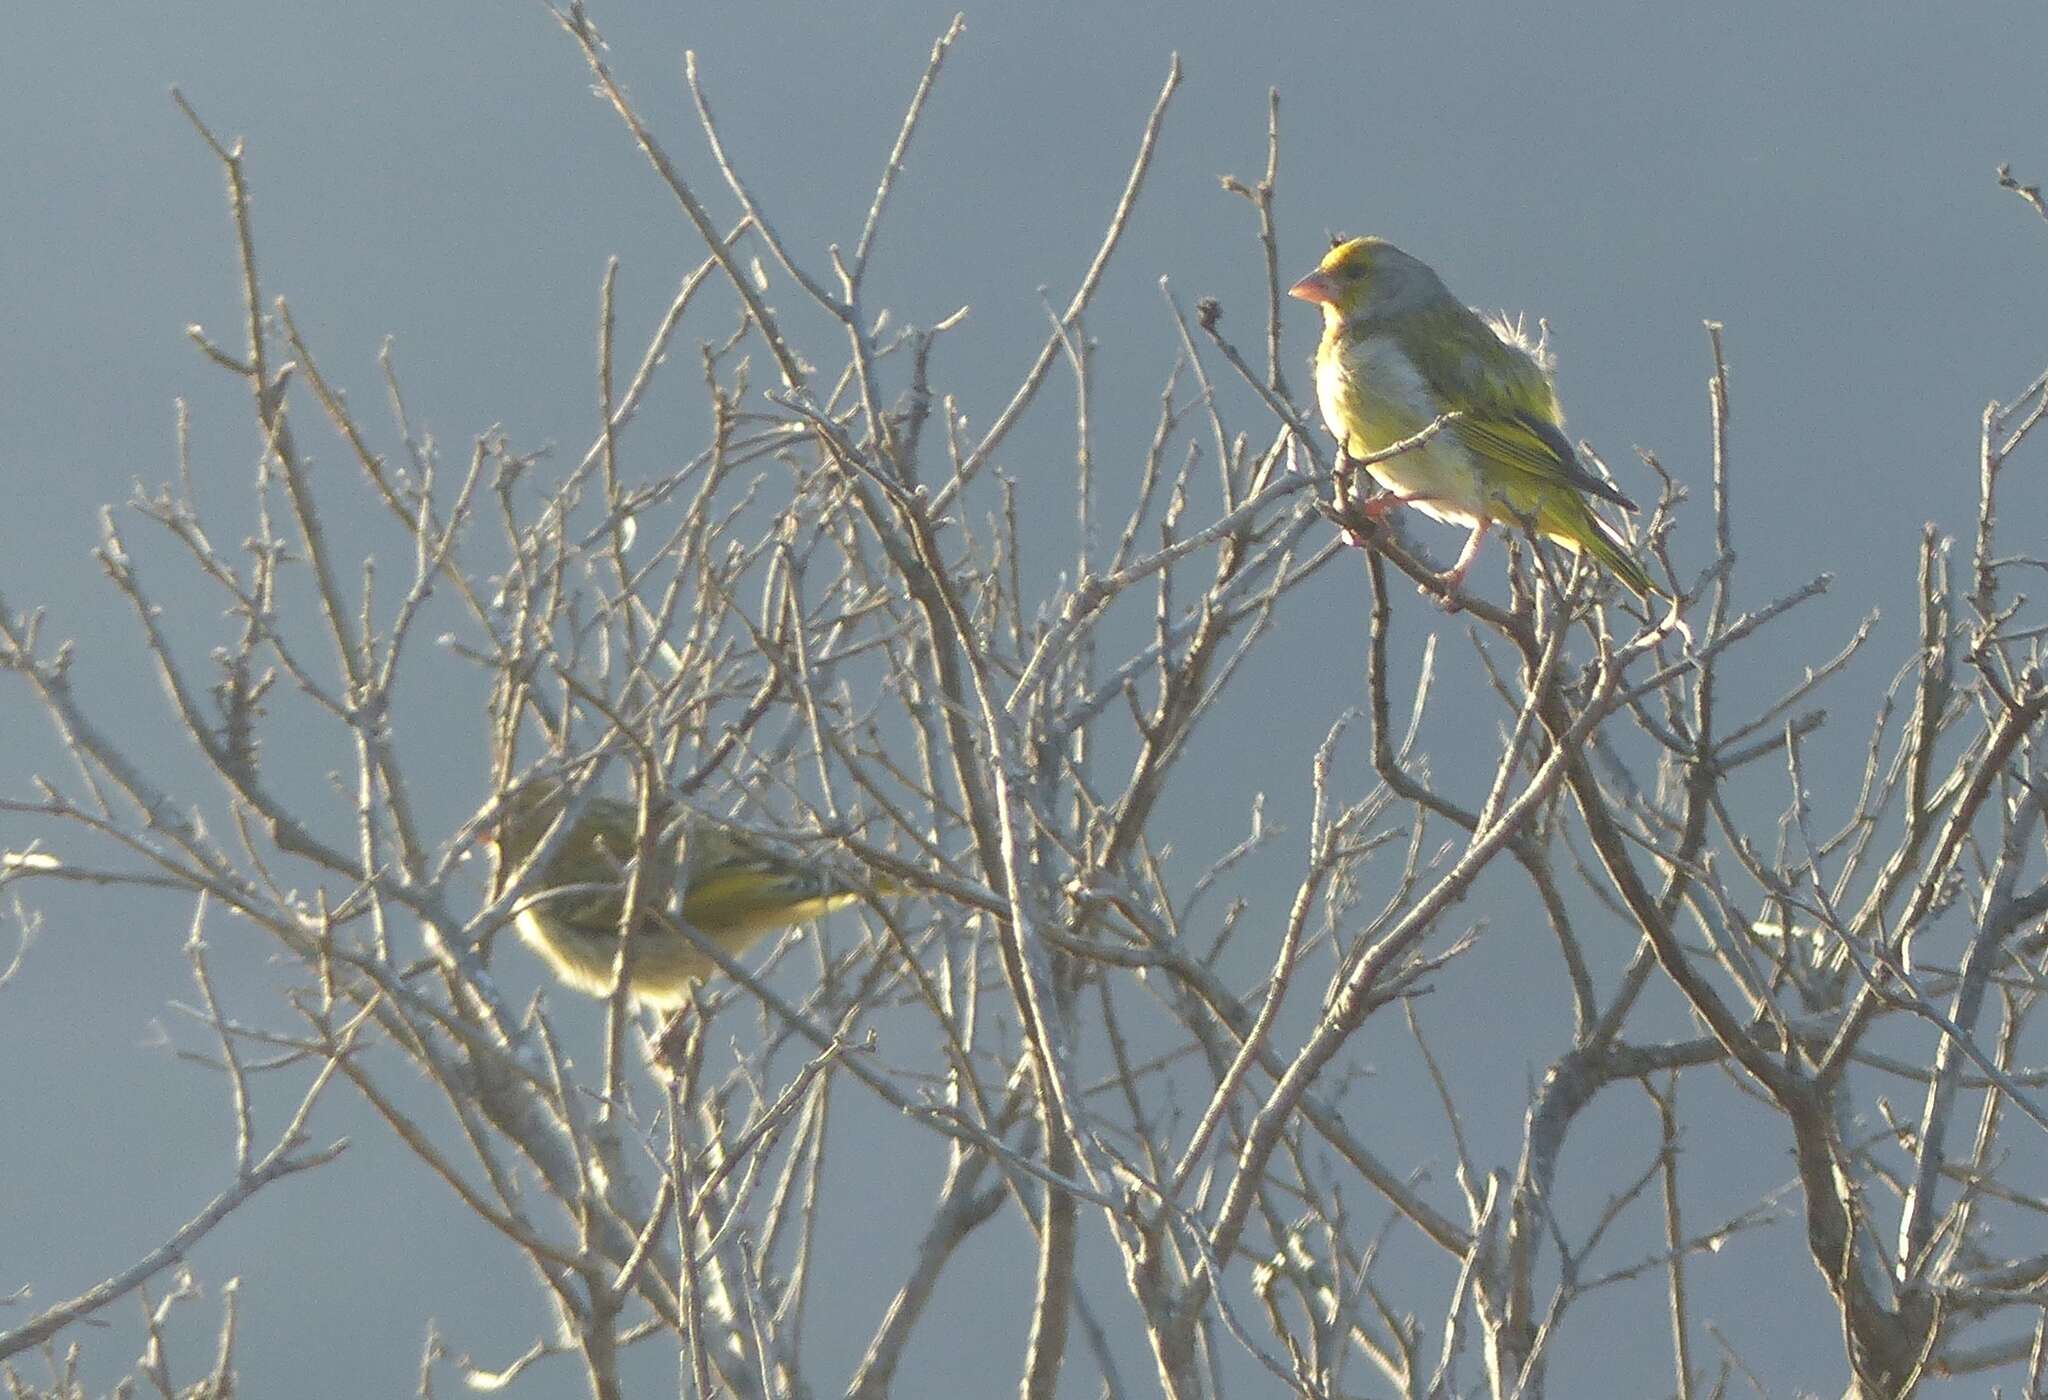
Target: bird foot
<point>1447,589</point>
<point>1364,520</point>
<point>1378,508</point>
<point>670,1047</point>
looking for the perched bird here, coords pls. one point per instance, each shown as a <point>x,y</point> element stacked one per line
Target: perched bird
<point>1398,351</point>
<point>738,890</point>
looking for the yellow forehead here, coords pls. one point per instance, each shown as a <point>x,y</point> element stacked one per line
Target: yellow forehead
<point>1353,256</point>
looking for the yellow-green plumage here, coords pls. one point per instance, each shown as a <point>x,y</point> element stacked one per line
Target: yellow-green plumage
<point>1398,350</point>
<point>738,891</point>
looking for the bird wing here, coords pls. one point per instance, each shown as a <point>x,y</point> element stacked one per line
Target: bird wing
<point>1511,415</point>
<point>739,888</point>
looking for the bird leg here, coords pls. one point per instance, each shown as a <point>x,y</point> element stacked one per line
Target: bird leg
<point>1362,519</point>
<point>1449,582</point>
<point>1373,512</point>
<point>1379,507</point>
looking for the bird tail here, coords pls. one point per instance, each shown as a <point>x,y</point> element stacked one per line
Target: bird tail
<point>1607,549</point>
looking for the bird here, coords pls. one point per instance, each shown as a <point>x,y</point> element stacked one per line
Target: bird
<point>1399,351</point>
<point>737,890</point>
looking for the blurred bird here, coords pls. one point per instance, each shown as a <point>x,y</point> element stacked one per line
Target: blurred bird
<point>1398,351</point>
<point>738,891</point>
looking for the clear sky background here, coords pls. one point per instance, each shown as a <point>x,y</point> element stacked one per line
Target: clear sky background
<point>1819,178</point>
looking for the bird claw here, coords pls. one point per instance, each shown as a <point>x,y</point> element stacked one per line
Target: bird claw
<point>1377,508</point>
<point>1364,521</point>
<point>1446,589</point>
<point>670,1046</point>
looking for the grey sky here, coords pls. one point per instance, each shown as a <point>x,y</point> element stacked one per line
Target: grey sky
<point>1818,178</point>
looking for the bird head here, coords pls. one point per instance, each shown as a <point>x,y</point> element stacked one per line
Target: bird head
<point>1368,277</point>
<point>524,819</point>
<point>602,838</point>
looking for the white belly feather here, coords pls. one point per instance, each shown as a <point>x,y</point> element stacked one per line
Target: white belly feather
<point>1372,396</point>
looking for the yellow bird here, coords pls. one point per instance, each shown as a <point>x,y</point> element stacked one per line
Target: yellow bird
<point>739,891</point>
<point>1398,351</point>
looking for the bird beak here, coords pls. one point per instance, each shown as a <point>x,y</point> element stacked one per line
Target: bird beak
<point>1316,287</point>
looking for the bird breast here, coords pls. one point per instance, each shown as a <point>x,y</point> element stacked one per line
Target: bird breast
<point>1373,396</point>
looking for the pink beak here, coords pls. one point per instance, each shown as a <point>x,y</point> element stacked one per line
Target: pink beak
<point>1317,287</point>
